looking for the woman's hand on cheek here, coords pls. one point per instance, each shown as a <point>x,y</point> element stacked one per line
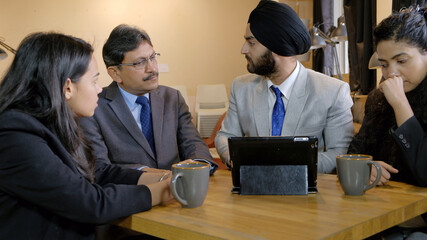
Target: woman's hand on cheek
<point>393,90</point>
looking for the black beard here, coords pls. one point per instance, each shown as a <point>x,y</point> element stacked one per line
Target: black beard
<point>264,67</point>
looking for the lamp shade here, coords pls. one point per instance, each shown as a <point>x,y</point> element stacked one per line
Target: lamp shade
<point>316,40</point>
<point>3,54</point>
<point>339,34</point>
<point>373,62</point>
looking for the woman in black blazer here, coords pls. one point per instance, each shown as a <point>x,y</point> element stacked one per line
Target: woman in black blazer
<point>394,130</point>
<point>50,186</point>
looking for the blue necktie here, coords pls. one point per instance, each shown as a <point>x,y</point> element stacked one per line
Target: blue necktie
<point>278,113</point>
<point>145,118</point>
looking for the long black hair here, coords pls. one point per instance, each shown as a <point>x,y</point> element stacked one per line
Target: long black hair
<point>34,84</point>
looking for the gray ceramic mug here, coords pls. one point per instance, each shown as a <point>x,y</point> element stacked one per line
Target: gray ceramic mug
<point>189,184</point>
<point>354,173</point>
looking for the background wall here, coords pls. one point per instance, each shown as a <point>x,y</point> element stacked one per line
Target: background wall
<point>199,40</point>
<point>383,10</point>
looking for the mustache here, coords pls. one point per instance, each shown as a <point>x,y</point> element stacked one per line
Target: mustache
<point>249,59</point>
<point>150,76</point>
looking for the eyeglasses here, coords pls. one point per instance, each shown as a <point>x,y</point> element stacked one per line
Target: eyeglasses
<point>141,64</point>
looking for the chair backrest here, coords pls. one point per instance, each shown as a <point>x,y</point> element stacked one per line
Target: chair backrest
<point>183,90</point>
<point>211,140</point>
<point>211,96</point>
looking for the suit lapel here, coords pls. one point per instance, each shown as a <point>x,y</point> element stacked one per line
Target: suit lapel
<point>260,106</point>
<point>122,112</point>
<point>157,113</point>
<point>296,103</point>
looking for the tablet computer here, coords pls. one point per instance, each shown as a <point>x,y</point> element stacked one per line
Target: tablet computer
<point>274,150</point>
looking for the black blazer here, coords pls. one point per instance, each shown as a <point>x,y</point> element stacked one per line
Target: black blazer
<point>411,138</point>
<point>42,193</point>
<point>411,148</point>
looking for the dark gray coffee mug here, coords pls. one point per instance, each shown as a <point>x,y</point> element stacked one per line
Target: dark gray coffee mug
<point>189,183</point>
<point>354,173</point>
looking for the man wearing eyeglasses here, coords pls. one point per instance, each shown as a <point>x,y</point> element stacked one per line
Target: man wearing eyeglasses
<point>139,123</point>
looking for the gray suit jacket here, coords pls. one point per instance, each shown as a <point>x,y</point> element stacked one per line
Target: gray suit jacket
<point>117,138</point>
<point>318,106</point>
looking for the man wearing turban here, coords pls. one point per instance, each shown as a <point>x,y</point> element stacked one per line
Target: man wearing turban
<point>281,97</point>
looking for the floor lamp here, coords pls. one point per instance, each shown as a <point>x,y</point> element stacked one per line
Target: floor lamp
<point>3,53</point>
<point>338,34</point>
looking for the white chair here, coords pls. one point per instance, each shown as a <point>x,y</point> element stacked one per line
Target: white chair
<point>183,90</point>
<point>190,100</point>
<point>211,103</point>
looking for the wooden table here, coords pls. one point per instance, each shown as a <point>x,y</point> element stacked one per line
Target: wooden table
<point>328,214</point>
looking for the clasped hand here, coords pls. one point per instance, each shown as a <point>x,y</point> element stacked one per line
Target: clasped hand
<point>158,181</point>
